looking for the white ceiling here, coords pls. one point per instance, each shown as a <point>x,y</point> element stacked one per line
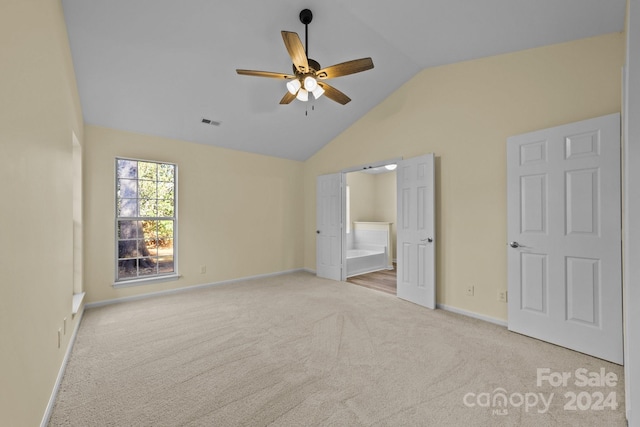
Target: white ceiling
<point>159,66</point>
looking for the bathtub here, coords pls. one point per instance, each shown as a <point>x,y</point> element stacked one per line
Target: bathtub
<point>361,261</point>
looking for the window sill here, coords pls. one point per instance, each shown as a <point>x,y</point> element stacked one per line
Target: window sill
<point>147,281</point>
<point>76,303</point>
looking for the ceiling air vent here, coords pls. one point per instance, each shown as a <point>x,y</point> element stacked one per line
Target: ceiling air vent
<point>210,122</point>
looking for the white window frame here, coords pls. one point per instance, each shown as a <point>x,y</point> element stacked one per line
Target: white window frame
<point>156,278</point>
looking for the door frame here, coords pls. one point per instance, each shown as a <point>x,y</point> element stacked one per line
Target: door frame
<point>344,172</point>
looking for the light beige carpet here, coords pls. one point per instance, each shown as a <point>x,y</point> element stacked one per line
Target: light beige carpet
<point>295,350</point>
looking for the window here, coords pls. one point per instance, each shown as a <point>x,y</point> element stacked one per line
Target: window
<point>145,220</point>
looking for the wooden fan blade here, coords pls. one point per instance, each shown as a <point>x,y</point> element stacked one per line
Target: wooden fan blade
<point>265,74</point>
<point>296,51</point>
<point>345,68</point>
<point>287,98</point>
<point>334,94</point>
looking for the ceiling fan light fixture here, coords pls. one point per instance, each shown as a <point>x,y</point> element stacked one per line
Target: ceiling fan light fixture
<point>317,92</point>
<point>303,95</point>
<point>308,75</point>
<point>391,166</point>
<point>293,86</point>
<point>310,83</point>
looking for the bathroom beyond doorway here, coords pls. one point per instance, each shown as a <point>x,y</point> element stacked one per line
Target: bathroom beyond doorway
<point>383,280</point>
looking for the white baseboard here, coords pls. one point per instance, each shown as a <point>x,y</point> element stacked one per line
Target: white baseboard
<point>186,289</point>
<point>472,314</point>
<point>56,387</point>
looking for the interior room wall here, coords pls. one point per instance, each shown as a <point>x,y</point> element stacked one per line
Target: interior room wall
<point>385,203</point>
<point>373,198</point>
<point>239,214</point>
<point>39,113</point>
<point>464,113</point>
<point>362,191</point>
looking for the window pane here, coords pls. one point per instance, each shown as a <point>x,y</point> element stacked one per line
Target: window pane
<point>148,189</point>
<point>127,269</point>
<point>127,168</point>
<point>165,264</point>
<point>165,208</point>
<point>127,188</point>
<point>148,170</point>
<point>165,230</point>
<point>152,247</point>
<point>127,230</point>
<point>127,207</point>
<point>150,229</point>
<point>148,207</point>
<point>147,267</point>
<point>127,249</point>
<point>165,172</point>
<point>165,190</point>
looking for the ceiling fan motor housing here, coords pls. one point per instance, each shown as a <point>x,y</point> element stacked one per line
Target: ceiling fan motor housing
<point>313,65</point>
<point>306,16</point>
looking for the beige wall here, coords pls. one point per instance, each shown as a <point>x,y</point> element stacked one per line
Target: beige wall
<point>239,214</point>
<point>362,192</point>
<point>39,110</point>
<point>463,113</point>
<point>385,204</point>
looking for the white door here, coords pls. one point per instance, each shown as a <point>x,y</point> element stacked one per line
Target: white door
<point>564,254</point>
<point>329,226</point>
<point>416,231</point>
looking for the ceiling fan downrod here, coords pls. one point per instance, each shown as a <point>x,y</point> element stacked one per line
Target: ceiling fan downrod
<point>306,17</point>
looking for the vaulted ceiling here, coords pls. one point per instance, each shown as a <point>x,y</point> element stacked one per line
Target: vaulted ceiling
<point>159,67</point>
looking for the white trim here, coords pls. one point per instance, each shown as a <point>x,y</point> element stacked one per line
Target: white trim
<point>63,367</point>
<point>472,314</point>
<point>77,302</point>
<point>146,281</point>
<point>186,289</point>
<point>631,225</point>
<point>308,270</point>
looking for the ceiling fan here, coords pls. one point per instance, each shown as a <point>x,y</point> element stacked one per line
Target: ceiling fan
<point>307,75</point>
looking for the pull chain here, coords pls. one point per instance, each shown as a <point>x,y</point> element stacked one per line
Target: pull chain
<point>306,110</point>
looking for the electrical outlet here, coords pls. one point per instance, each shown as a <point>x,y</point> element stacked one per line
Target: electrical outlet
<point>470,291</point>
<point>203,269</point>
<point>502,296</point>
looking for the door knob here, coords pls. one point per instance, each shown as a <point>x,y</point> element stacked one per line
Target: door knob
<point>428,239</point>
<point>317,231</point>
<point>514,244</point>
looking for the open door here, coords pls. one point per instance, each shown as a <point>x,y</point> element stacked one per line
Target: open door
<point>329,198</point>
<point>564,253</point>
<point>416,231</point>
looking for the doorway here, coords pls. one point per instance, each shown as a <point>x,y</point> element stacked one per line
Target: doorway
<point>415,236</point>
<point>370,227</point>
